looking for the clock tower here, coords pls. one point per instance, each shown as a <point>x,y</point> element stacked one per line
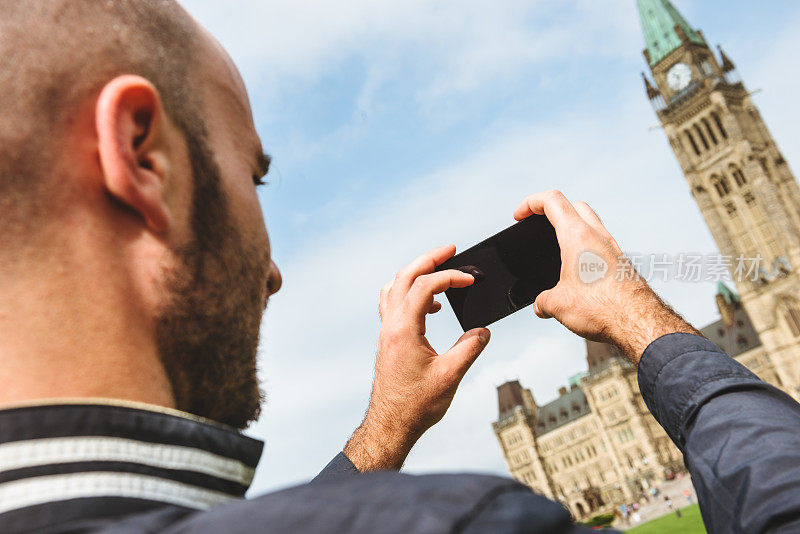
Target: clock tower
<point>737,175</point>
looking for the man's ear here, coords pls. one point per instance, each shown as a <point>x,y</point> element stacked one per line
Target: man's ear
<point>133,147</point>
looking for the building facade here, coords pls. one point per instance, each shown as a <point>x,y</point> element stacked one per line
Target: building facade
<point>597,446</point>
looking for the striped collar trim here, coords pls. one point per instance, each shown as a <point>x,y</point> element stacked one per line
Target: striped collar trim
<point>52,453</point>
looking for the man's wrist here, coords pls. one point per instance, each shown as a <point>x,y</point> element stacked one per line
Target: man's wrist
<point>646,319</point>
<point>377,446</point>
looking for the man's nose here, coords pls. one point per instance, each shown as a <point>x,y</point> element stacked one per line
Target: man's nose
<point>275,280</point>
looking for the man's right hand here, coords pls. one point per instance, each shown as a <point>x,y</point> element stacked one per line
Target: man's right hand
<point>619,307</point>
<point>414,385</point>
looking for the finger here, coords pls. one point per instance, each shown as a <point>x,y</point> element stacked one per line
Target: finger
<point>592,219</point>
<point>424,264</point>
<point>588,214</point>
<point>553,204</point>
<point>420,297</point>
<point>456,361</point>
<point>543,305</point>
<point>435,307</point>
<point>383,300</point>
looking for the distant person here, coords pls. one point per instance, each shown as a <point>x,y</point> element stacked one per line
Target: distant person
<point>688,494</point>
<point>669,504</point>
<point>134,270</point>
<point>624,512</point>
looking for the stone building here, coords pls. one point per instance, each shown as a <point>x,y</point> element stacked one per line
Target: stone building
<point>736,174</point>
<point>596,445</point>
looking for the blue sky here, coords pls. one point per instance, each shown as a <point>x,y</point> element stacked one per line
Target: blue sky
<point>396,126</point>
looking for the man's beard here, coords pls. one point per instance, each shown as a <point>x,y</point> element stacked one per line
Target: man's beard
<point>207,332</point>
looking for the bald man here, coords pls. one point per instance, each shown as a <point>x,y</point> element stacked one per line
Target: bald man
<point>134,270</point>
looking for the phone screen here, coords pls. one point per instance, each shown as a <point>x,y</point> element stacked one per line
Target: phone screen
<point>511,268</point>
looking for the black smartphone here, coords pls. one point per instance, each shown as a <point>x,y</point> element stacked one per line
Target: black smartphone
<point>510,268</point>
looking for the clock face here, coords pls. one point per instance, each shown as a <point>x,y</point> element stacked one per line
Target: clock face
<point>679,76</point>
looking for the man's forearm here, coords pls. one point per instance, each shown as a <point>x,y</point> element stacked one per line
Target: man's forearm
<point>740,436</point>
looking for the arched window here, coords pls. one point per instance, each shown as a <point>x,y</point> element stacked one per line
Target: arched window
<point>720,183</point>
<point>717,120</point>
<point>792,316</point>
<point>738,175</point>
<point>701,136</point>
<point>691,140</point>
<point>710,132</point>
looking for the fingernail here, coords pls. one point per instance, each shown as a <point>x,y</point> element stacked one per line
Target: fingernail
<point>535,308</point>
<point>484,336</point>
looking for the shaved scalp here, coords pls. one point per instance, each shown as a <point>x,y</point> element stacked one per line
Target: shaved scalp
<point>55,58</point>
<point>57,54</point>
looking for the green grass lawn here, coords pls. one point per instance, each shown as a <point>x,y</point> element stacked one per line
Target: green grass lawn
<point>690,523</point>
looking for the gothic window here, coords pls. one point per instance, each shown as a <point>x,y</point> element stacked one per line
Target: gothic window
<point>792,317</point>
<point>731,209</point>
<point>738,175</point>
<point>717,120</point>
<point>710,132</point>
<point>690,137</point>
<point>742,342</point>
<point>749,198</point>
<point>765,166</point>
<point>701,136</point>
<point>720,183</point>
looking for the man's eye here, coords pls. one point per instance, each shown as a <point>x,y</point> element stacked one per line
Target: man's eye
<point>258,180</point>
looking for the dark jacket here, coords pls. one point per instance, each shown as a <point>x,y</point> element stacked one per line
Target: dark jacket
<point>109,468</point>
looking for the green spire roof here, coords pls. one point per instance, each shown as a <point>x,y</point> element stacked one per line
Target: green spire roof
<point>727,293</point>
<point>659,18</point>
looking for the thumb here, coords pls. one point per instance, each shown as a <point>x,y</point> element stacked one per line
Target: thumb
<point>544,304</point>
<point>465,351</point>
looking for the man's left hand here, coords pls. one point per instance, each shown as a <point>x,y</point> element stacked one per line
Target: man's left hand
<point>413,385</point>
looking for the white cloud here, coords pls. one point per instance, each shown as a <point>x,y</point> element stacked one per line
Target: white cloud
<point>464,43</point>
<point>320,332</point>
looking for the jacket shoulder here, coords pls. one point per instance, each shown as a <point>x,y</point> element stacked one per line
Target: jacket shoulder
<point>390,503</point>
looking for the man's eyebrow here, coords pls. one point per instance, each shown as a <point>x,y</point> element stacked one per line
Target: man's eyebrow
<point>262,161</point>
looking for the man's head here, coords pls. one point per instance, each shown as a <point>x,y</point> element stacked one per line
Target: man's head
<point>128,153</point>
